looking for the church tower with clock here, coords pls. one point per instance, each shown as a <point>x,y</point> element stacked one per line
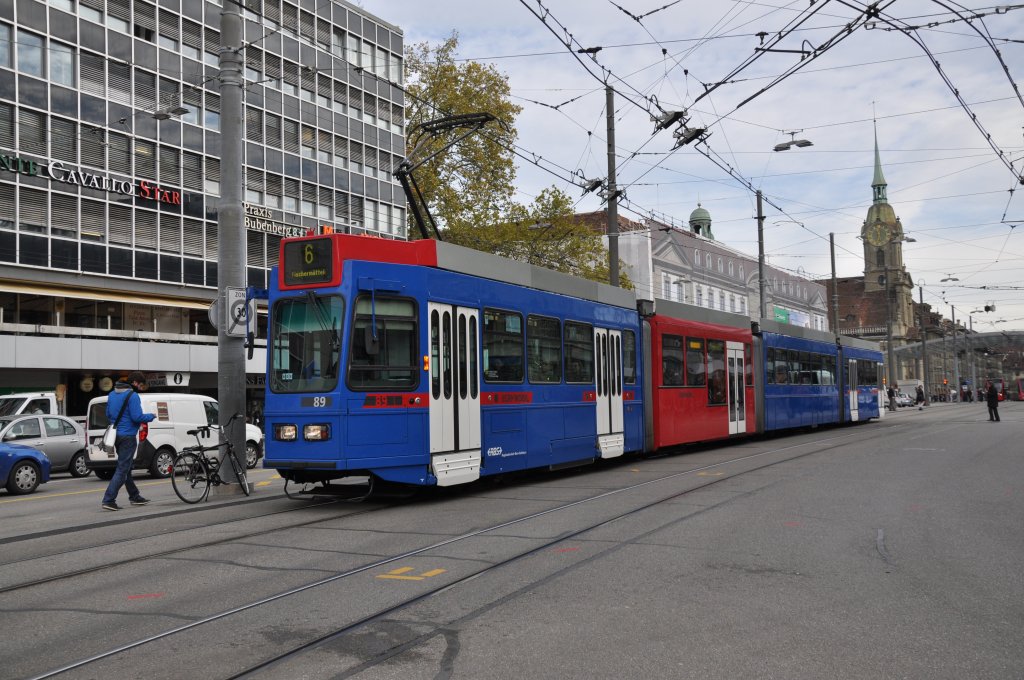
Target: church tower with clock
<point>883,238</point>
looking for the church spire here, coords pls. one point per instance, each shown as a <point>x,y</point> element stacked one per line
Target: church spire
<point>878,183</point>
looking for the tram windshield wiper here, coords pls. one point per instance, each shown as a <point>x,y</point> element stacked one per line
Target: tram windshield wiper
<point>325,323</point>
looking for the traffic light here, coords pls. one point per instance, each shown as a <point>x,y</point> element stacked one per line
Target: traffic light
<point>945,381</point>
<point>991,307</point>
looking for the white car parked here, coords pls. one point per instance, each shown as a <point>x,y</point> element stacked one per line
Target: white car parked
<point>164,437</point>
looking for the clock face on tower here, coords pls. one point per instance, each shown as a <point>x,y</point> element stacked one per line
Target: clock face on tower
<point>877,234</point>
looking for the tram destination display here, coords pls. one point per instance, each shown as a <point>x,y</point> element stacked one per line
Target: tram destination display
<point>309,261</point>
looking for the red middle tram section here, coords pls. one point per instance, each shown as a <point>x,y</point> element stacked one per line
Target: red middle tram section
<point>702,381</point>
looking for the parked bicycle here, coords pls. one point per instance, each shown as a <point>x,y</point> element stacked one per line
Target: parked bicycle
<point>195,470</point>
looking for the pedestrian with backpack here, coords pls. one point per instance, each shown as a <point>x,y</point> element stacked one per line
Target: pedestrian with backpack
<point>124,410</point>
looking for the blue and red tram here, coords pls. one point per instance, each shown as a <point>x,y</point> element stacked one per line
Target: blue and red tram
<point>425,363</point>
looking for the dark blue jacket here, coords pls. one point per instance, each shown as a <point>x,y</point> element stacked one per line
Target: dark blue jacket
<point>133,416</point>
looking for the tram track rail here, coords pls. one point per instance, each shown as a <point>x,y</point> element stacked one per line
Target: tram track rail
<point>280,658</point>
<point>173,551</point>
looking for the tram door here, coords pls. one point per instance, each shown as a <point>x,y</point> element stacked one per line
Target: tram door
<point>454,394</point>
<point>608,361</point>
<point>852,384</point>
<point>736,388</point>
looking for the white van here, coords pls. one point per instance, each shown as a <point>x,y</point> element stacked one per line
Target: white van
<point>167,434</point>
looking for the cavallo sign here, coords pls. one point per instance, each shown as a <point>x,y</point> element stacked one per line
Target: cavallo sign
<point>58,171</point>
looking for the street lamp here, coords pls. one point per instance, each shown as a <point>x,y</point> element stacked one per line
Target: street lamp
<point>785,146</point>
<point>166,114</point>
<point>924,344</point>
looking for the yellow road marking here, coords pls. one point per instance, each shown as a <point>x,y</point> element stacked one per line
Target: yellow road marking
<point>34,497</point>
<point>102,488</point>
<point>710,474</point>
<point>400,574</point>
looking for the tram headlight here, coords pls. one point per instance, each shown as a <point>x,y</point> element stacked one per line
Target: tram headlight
<point>285,433</point>
<point>316,432</point>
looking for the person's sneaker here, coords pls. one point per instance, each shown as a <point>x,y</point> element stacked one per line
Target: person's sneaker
<point>111,506</point>
<point>139,501</point>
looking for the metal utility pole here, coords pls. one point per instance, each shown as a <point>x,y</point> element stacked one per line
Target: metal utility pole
<point>613,193</point>
<point>924,347</point>
<point>230,227</point>
<point>888,329</point>
<point>760,254</point>
<point>956,359</point>
<point>835,285</point>
<point>974,371</point>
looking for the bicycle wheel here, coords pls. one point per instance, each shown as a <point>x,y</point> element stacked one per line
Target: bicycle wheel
<point>239,471</point>
<point>190,476</point>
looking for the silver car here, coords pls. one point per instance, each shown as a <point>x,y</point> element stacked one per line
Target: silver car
<point>61,439</point>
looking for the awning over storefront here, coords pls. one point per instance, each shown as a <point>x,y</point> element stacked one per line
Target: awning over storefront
<point>104,295</point>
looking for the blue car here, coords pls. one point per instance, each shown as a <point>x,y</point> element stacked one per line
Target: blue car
<point>23,468</point>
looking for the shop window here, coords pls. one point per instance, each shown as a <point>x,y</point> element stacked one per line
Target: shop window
<point>62,64</point>
<point>30,54</point>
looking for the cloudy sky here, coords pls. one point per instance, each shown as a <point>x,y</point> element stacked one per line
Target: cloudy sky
<point>812,76</point>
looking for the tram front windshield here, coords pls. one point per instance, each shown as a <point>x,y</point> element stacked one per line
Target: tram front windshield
<point>306,343</point>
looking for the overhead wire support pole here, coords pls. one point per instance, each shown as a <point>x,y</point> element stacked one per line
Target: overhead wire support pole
<point>760,255</point>
<point>956,359</point>
<point>835,285</point>
<point>613,194</point>
<point>924,346</point>
<point>230,227</point>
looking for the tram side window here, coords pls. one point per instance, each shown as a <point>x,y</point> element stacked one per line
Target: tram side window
<point>808,366</point>
<point>629,357</point>
<point>672,361</point>
<point>579,352</point>
<point>716,372</point>
<point>867,372</point>
<point>781,366</point>
<point>696,374</point>
<point>305,344</point>
<point>828,370</point>
<point>384,347</point>
<point>543,349</point>
<point>769,365</point>
<point>503,347</point>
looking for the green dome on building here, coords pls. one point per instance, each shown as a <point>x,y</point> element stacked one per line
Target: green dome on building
<point>700,222</point>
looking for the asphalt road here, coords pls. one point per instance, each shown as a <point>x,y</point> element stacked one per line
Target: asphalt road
<point>891,549</point>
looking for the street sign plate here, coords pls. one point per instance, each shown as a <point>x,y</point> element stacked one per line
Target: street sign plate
<point>237,311</point>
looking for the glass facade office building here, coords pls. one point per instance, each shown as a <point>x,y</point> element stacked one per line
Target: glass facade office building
<point>110,137</point>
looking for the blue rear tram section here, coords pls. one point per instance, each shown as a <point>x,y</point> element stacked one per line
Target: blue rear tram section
<point>808,379</point>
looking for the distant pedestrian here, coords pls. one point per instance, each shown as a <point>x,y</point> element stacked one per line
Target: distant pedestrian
<point>892,398</point>
<point>920,398</point>
<point>992,398</point>
<point>124,406</point>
